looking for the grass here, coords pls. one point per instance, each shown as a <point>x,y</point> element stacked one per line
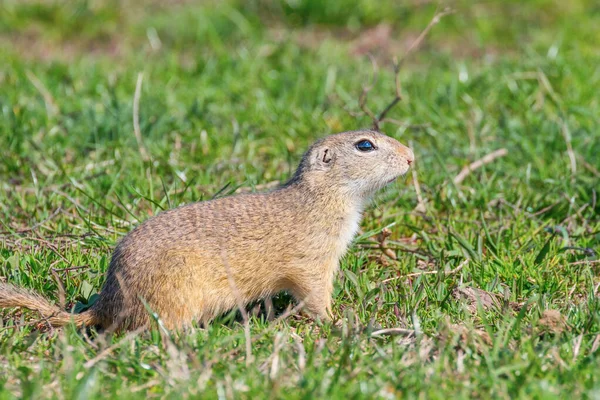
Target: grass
<point>232,95</point>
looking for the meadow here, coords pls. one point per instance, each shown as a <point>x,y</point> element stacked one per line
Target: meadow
<point>462,283</point>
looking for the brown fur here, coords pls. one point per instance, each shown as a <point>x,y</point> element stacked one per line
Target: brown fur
<point>181,263</point>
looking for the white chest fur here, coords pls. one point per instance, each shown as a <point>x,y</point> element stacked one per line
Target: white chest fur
<point>348,230</point>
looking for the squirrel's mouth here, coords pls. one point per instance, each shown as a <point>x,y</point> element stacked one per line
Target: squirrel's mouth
<point>394,178</point>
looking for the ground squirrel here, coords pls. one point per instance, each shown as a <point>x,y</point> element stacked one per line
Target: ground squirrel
<point>197,261</point>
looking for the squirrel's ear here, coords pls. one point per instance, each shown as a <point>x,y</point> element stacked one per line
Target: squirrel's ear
<point>324,158</point>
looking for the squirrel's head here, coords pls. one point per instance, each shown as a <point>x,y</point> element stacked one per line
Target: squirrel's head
<point>357,162</point>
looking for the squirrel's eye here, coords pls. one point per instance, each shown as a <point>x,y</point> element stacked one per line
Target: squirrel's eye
<point>365,145</point>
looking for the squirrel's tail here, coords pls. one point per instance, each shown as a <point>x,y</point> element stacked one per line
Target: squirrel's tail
<point>11,296</point>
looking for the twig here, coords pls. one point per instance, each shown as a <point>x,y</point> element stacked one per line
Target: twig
<point>412,275</point>
<point>382,239</point>
<point>395,100</point>
<point>362,100</point>
<point>377,120</point>
<point>136,117</point>
<point>405,125</point>
<point>434,21</point>
<point>478,164</point>
<point>241,306</point>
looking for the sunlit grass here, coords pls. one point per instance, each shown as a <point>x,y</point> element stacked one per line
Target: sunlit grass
<point>231,97</point>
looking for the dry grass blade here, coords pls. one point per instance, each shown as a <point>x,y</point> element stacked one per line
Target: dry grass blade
<point>51,107</point>
<point>33,323</point>
<point>75,268</point>
<point>595,344</point>
<point>462,175</point>
<point>302,352</point>
<point>589,167</point>
<point>242,308</point>
<point>269,308</point>
<point>146,386</point>
<point>394,331</point>
<point>567,135</point>
<point>61,288</point>
<point>290,312</point>
<point>590,262</point>
<point>421,205</point>
<point>136,117</point>
<point>106,352</point>
<point>49,245</point>
<point>414,274</point>
<point>275,362</point>
<point>577,346</point>
<point>36,225</point>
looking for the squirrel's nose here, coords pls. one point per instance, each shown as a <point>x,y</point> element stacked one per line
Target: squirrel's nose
<point>408,155</point>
